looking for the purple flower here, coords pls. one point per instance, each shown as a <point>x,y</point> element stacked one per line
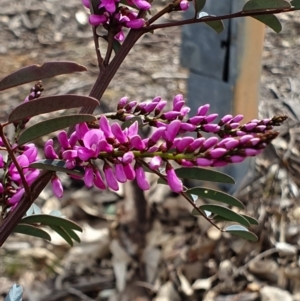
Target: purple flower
<point>171,115</point>
<point>211,118</point>
<point>63,139</point>
<point>97,20</point>
<point>110,5</point>
<point>110,177</point>
<point>211,128</point>
<point>160,106</point>
<point>98,180</point>
<point>49,150</point>
<point>89,176</point>
<point>122,103</point>
<point>15,199</point>
<point>203,110</point>
<point>120,174</point>
<point>172,130</point>
<point>32,175</point>
<point>105,127</point>
<point>140,4</point>
<point>155,162</point>
<point>237,118</point>
<point>128,157</point>
<point>57,187</point>
<point>210,142</point>
<point>173,181</point>
<point>129,171</point>
<point>135,24</point>
<point>86,3</point>
<point>217,152</point>
<point>184,4</point>
<point>204,162</point>
<point>141,177</point>
<point>184,143</point>
<point>118,133</point>
<point>225,119</point>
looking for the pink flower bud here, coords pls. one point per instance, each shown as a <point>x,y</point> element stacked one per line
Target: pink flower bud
<point>135,24</point>
<point>96,20</point>
<point>203,110</point>
<point>155,162</point>
<point>57,187</point>
<point>120,174</point>
<point>211,128</point>
<point>122,103</point>
<point>105,127</point>
<point>196,120</point>
<point>237,118</point>
<point>118,133</point>
<point>89,177</point>
<point>217,152</point>
<point>129,171</point>
<point>171,115</point>
<point>141,177</point>
<point>172,130</point>
<point>16,198</point>
<point>204,162</point>
<point>173,181</point>
<point>184,4</point>
<point>210,142</point>
<point>110,177</point>
<point>63,139</point>
<point>184,143</point>
<point>128,158</point>
<point>211,118</point>
<point>225,119</point>
<point>98,180</point>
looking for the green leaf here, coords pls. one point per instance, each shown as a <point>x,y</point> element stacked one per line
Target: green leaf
<point>36,72</point>
<point>241,232</point>
<point>295,4</point>
<point>199,4</point>
<point>51,125</point>
<point>72,234</point>
<point>271,21</point>
<point>265,4</point>
<point>250,219</point>
<point>217,25</point>
<point>63,234</point>
<point>216,195</point>
<point>31,230</point>
<point>129,122</point>
<point>50,220</point>
<point>57,165</point>
<point>50,104</point>
<point>202,174</point>
<point>225,212</point>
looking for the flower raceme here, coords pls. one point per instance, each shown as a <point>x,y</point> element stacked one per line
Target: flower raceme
<point>110,154</point>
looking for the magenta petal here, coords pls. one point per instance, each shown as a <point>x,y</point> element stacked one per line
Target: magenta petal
<point>137,142</point>
<point>32,176</point>
<point>237,118</point>
<point>210,142</point>
<point>96,20</point>
<point>231,144</point>
<point>81,130</point>
<point>31,153</point>
<point>171,115</point>
<point>141,178</point>
<point>156,135</point>
<point>237,159</point>
<point>110,177</point>
<point>129,171</point>
<point>63,139</point>
<point>50,152</point>
<point>172,130</point>
<point>15,199</point>
<point>211,117</point>
<point>73,139</point>
<point>173,181</point>
<point>57,187</point>
<point>204,162</point>
<point>89,177</point>
<point>203,110</point>
<point>128,157</point>
<point>85,154</point>
<point>99,181</point>
<point>217,152</point>
<point>197,143</point>
<point>105,127</point>
<point>135,24</point>
<point>225,119</point>
<point>69,154</point>
<point>184,143</point>
<point>133,129</point>
<point>118,133</point>
<point>211,128</point>
<point>142,4</point>
<point>120,174</point>
<point>86,3</point>
<point>155,162</point>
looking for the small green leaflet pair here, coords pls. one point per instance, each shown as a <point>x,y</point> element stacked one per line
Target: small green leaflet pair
<point>217,213</point>
<point>254,6</point>
<point>33,221</point>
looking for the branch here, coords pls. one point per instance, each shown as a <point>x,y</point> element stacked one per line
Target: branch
<point>240,14</point>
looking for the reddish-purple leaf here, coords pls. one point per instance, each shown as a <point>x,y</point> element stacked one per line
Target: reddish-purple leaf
<point>37,72</point>
<point>49,104</point>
